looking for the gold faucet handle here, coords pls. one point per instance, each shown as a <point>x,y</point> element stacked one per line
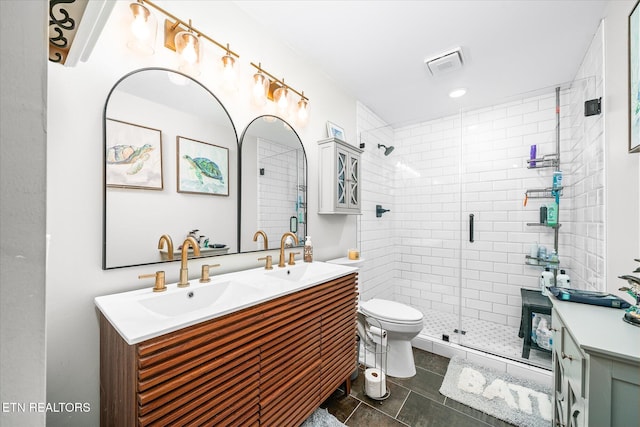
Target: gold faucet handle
<point>205,272</point>
<point>159,276</point>
<point>292,257</point>
<point>269,264</point>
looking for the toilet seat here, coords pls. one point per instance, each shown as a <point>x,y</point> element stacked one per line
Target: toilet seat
<point>391,311</point>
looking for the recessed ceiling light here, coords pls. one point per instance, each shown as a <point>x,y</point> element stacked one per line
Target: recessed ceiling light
<point>457,93</point>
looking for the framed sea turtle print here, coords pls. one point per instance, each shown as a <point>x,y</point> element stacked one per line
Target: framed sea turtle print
<point>203,168</point>
<point>133,156</point>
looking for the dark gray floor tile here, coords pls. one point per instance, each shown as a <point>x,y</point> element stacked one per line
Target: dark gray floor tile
<point>340,405</point>
<point>366,416</point>
<point>418,411</point>
<point>431,362</point>
<point>479,415</point>
<point>423,382</point>
<point>391,405</point>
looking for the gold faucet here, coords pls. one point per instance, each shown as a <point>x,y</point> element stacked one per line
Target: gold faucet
<point>166,238</point>
<point>204,276</point>
<point>159,276</point>
<point>282,239</point>
<point>264,236</point>
<point>184,273</point>
<point>268,265</point>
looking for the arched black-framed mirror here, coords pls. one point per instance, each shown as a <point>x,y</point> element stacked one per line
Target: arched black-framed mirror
<point>274,183</point>
<point>171,166</point>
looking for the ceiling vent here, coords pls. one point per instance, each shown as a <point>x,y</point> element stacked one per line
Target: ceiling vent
<point>445,62</point>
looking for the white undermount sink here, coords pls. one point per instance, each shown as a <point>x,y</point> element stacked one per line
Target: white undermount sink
<point>143,314</point>
<point>293,273</point>
<point>185,300</point>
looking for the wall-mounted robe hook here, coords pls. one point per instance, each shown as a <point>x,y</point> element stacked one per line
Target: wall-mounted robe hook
<point>380,211</point>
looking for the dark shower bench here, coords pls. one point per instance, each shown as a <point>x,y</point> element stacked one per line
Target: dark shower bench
<point>532,302</point>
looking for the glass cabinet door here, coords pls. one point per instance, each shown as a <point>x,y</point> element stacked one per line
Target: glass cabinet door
<point>341,181</point>
<point>354,182</point>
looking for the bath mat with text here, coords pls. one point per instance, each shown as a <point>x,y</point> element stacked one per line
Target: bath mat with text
<point>521,402</point>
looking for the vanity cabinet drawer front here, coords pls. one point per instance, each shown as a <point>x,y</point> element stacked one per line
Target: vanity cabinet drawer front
<point>573,362</point>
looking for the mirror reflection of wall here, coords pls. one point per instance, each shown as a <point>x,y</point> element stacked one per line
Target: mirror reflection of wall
<point>138,210</point>
<point>274,183</point>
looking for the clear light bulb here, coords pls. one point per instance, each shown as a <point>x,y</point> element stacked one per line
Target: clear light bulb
<point>139,27</point>
<point>189,54</point>
<point>259,88</point>
<point>303,111</point>
<point>281,98</point>
<point>228,71</point>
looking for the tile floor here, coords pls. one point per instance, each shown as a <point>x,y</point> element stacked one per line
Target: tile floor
<point>414,402</point>
<point>480,334</point>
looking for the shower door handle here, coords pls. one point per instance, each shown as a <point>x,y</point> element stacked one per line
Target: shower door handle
<point>471,228</point>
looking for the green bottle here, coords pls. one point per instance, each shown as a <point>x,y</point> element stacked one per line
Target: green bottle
<point>552,214</point>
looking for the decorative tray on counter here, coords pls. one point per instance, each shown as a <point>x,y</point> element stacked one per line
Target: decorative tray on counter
<point>588,297</point>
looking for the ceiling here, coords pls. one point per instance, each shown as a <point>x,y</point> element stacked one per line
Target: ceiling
<point>375,50</point>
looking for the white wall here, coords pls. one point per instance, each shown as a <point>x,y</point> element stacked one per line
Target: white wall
<point>74,175</point>
<point>622,169</point>
<point>22,210</point>
<point>376,238</point>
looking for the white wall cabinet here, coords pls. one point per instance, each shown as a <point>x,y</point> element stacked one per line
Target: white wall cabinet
<point>596,367</point>
<point>340,177</point>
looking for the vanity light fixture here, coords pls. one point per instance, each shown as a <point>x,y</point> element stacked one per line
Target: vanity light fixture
<point>266,86</point>
<point>144,28</point>
<point>182,37</point>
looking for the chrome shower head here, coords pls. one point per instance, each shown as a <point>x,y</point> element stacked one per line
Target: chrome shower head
<point>387,150</point>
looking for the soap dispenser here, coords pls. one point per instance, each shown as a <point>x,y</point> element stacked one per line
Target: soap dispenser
<point>308,249</point>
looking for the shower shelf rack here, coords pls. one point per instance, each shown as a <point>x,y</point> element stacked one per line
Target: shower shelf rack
<point>541,224</point>
<point>541,262</point>
<point>546,161</point>
<point>542,193</point>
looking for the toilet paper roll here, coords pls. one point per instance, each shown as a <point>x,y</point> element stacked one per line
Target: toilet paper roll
<point>378,335</point>
<point>375,383</point>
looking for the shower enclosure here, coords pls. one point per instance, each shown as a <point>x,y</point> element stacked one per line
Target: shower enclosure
<point>465,213</point>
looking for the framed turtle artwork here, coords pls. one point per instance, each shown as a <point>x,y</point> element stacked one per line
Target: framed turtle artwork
<point>203,168</point>
<point>133,156</point>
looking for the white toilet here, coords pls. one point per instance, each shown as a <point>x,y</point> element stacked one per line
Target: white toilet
<point>402,323</point>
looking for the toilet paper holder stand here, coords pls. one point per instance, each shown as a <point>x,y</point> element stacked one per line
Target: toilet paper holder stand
<point>373,355</point>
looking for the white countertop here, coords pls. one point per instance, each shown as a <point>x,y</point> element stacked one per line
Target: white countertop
<point>600,329</point>
<point>130,315</point>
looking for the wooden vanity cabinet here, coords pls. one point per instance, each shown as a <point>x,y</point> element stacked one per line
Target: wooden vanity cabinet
<point>271,364</point>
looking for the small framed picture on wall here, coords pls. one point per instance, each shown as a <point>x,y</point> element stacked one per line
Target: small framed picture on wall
<point>335,131</point>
